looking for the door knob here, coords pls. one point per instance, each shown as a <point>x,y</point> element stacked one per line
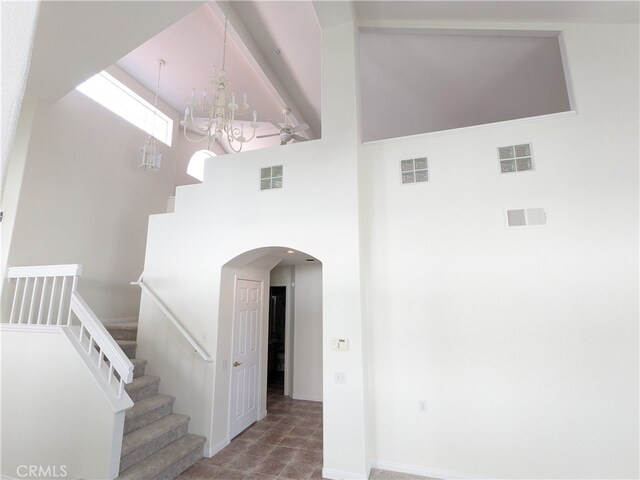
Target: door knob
<point>237,364</point>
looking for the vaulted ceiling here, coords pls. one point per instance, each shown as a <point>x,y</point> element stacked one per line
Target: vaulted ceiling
<point>77,39</point>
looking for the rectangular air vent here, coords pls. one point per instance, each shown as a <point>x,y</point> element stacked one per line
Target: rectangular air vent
<point>515,158</point>
<point>414,170</point>
<point>526,216</point>
<point>271,177</point>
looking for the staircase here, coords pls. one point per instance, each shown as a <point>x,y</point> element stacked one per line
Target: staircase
<point>156,445</point>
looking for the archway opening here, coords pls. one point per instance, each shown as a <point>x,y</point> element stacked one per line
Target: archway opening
<point>250,347</point>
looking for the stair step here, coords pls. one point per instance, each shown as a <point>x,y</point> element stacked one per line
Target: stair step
<point>128,347</point>
<point>142,387</point>
<point>168,462</point>
<point>139,366</point>
<point>123,331</point>
<point>146,411</point>
<point>146,441</point>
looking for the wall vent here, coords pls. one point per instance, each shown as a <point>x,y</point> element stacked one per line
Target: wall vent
<point>271,177</point>
<point>515,158</point>
<point>414,170</point>
<point>526,216</point>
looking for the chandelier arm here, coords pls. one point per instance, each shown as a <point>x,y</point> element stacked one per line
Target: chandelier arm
<point>252,136</point>
<point>230,140</point>
<point>198,140</point>
<point>194,125</point>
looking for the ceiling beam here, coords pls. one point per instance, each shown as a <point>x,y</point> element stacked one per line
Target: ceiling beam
<point>331,14</point>
<point>249,49</point>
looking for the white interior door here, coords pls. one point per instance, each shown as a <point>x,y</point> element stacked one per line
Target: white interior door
<point>244,356</point>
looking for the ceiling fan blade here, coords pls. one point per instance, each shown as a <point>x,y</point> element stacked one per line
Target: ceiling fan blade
<point>300,128</point>
<point>270,135</point>
<point>298,138</point>
<point>275,124</point>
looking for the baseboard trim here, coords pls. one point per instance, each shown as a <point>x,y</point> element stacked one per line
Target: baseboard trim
<point>213,449</point>
<point>310,398</point>
<point>332,474</point>
<point>118,321</point>
<point>423,471</point>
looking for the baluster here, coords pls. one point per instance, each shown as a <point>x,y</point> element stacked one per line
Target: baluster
<point>121,388</point>
<point>110,372</point>
<point>24,297</point>
<point>90,346</point>
<point>100,358</point>
<point>33,299</point>
<point>81,332</point>
<point>44,287</point>
<point>73,289</point>
<point>64,283</point>
<point>15,296</point>
<point>53,292</point>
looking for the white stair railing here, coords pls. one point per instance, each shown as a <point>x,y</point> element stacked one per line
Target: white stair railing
<point>42,294</point>
<point>47,295</point>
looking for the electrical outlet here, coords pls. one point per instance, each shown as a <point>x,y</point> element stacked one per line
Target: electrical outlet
<point>340,377</point>
<point>422,406</point>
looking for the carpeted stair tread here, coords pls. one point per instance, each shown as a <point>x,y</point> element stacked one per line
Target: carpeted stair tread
<point>144,435</point>
<point>141,443</point>
<point>128,347</point>
<point>147,411</point>
<point>123,331</point>
<point>168,462</point>
<point>142,387</point>
<point>139,365</point>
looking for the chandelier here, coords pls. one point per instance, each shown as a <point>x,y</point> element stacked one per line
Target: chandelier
<point>214,120</point>
<point>151,154</point>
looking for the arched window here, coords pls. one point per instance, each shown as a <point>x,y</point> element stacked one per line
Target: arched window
<point>196,164</point>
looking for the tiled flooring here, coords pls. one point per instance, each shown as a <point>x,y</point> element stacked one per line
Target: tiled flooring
<point>286,444</point>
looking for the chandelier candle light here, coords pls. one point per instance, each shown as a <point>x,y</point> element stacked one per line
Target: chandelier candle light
<point>151,154</point>
<point>218,116</point>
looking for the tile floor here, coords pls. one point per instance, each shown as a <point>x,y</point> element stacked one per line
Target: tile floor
<point>286,444</point>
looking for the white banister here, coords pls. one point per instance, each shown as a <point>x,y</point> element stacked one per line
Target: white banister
<point>176,323</point>
<point>67,310</point>
<point>94,332</point>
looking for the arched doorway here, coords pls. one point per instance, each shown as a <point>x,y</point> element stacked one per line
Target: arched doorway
<point>245,334</point>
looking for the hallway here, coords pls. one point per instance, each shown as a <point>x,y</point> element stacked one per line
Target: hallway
<point>286,444</point>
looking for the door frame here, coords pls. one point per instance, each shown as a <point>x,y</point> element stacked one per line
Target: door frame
<point>259,341</point>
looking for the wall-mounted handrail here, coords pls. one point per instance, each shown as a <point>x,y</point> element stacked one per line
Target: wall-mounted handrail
<point>176,323</point>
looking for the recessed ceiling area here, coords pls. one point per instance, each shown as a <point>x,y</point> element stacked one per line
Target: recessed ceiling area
<point>421,81</point>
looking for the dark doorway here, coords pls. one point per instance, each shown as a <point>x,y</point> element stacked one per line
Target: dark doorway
<point>275,365</point>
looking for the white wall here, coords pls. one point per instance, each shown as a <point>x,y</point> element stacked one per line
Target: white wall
<point>524,342</point>
<point>53,413</point>
<point>84,199</point>
<point>228,215</point>
<point>307,350</point>
<point>19,21</point>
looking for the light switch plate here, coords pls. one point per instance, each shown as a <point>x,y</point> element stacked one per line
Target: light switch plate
<point>340,344</point>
